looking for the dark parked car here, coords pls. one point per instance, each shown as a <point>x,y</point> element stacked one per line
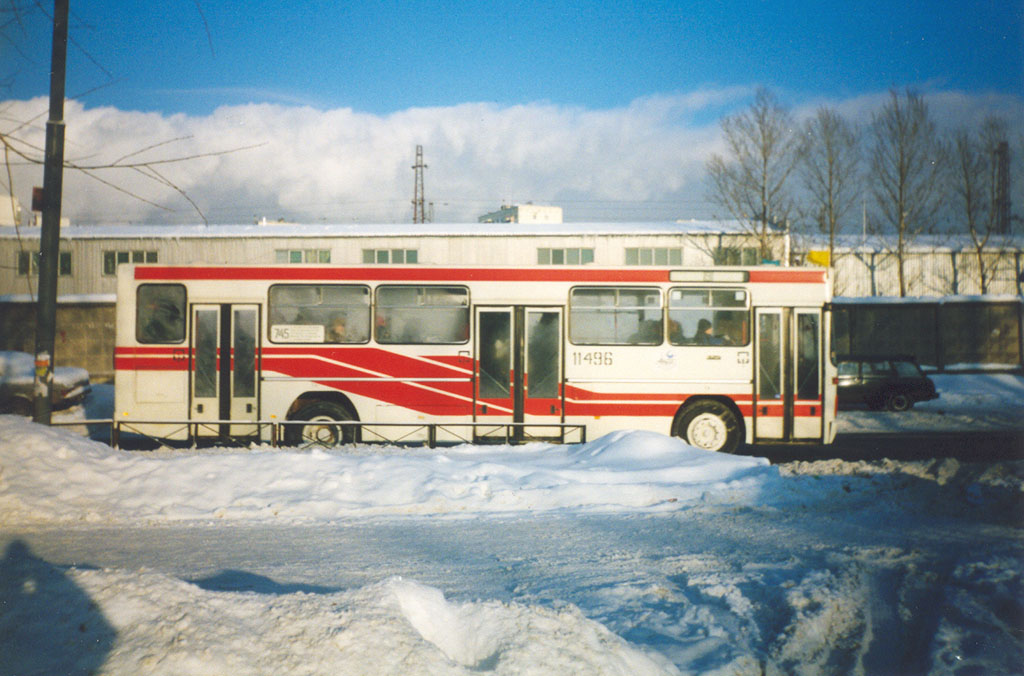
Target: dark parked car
<point>17,384</point>
<point>883,382</point>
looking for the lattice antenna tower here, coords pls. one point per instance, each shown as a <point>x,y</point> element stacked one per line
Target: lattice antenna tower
<point>419,214</point>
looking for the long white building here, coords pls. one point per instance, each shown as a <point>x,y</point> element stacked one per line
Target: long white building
<point>89,257</point>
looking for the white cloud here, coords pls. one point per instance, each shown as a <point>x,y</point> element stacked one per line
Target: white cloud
<point>645,160</point>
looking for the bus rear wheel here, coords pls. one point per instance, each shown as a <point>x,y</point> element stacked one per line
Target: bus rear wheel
<point>709,425</point>
<point>319,430</point>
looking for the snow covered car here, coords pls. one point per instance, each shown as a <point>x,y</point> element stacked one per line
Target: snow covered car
<point>17,383</point>
<point>893,383</point>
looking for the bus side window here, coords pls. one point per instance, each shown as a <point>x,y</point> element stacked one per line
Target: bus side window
<point>702,316</point>
<point>319,313</point>
<point>160,313</point>
<point>615,316</point>
<point>419,315</point>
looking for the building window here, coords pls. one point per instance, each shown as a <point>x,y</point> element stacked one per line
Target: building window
<point>302,256</point>
<point>30,262</point>
<point>111,259</point>
<point>386,256</point>
<point>654,256</point>
<point>24,257</point>
<point>571,256</point>
<point>732,255</point>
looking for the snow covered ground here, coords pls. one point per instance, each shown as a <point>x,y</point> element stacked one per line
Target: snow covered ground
<point>632,554</point>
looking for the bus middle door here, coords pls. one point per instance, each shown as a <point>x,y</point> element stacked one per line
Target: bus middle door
<point>518,371</point>
<point>225,368</point>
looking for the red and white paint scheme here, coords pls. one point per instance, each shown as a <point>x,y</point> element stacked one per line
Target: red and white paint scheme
<point>719,356</point>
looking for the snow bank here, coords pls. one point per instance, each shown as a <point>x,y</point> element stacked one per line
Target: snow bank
<point>49,475</point>
<point>116,622</point>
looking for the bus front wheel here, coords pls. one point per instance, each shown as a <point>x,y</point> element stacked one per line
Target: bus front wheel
<point>709,425</point>
<point>319,429</point>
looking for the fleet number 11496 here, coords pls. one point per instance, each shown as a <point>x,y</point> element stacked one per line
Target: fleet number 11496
<point>595,358</point>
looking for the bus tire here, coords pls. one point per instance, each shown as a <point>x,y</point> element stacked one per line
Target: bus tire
<point>710,425</point>
<point>314,434</point>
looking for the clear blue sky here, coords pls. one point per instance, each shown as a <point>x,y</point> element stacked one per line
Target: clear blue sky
<point>194,55</point>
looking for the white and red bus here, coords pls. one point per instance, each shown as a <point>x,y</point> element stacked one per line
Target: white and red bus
<point>718,356</point>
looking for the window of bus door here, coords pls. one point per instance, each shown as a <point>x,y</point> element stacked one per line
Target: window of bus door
<point>807,365</point>
<point>543,341</point>
<point>771,409</point>
<point>494,332</point>
<point>205,381</point>
<point>808,369</point>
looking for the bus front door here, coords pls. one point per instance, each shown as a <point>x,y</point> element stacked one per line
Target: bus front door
<point>225,368</point>
<point>788,401</point>
<point>518,371</point>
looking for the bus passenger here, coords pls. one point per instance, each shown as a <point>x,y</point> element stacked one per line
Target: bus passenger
<point>704,335</point>
<point>336,331</point>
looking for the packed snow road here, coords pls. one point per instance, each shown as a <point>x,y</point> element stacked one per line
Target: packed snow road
<point>856,583</point>
<point>632,554</point>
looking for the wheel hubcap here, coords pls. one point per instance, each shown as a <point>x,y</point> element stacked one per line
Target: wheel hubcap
<point>321,434</point>
<point>707,431</point>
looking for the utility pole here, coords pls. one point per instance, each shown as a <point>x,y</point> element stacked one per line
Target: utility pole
<point>418,213</point>
<point>49,241</point>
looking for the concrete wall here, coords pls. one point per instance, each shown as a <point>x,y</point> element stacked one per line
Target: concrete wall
<point>85,335</point>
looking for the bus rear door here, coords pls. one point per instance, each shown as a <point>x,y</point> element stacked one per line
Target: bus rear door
<point>788,401</point>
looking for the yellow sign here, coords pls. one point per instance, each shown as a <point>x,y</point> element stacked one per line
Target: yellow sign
<point>819,258</point>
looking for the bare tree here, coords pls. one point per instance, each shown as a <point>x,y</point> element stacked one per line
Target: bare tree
<point>974,180</point>
<point>906,170</point>
<point>750,183</point>
<point>829,166</point>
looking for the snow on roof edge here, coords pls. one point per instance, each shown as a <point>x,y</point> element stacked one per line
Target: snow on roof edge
<point>66,298</point>
<point>379,230</point>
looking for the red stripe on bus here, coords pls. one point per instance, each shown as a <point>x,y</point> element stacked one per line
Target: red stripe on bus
<point>384,274</point>
<point>442,274</point>
<point>390,364</point>
<point>159,349</point>
<point>580,394</point>
<point>787,276</point>
<point>149,364</point>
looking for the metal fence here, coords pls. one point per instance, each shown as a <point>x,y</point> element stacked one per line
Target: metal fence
<point>139,433</point>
